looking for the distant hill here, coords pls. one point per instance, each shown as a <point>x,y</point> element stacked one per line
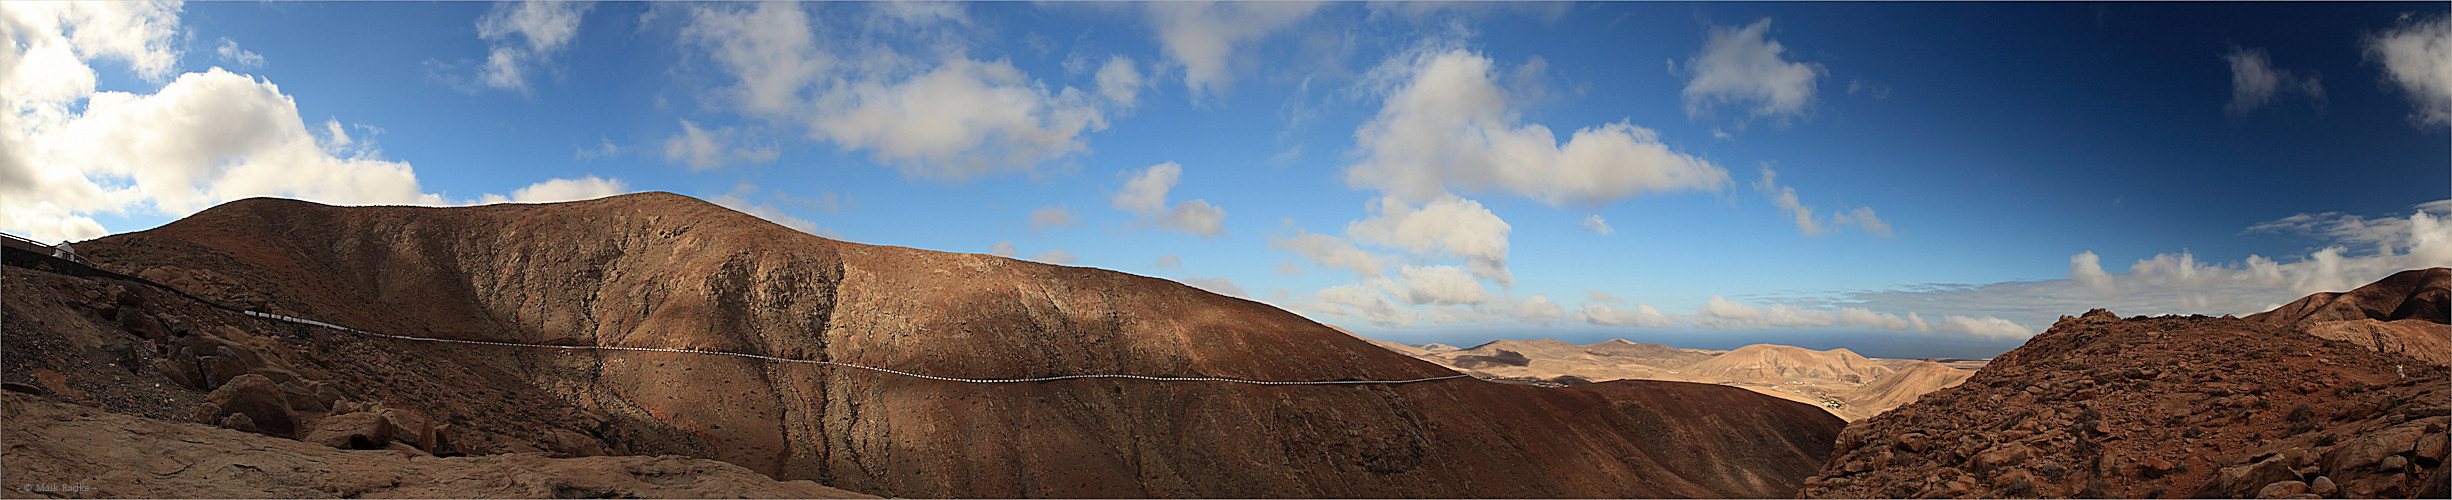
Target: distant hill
<point>1839,381</point>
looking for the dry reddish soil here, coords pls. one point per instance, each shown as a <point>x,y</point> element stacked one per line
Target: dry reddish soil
<point>63,450</point>
<point>2105,407</point>
<point>662,270</point>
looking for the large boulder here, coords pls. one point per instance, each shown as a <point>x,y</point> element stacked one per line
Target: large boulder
<point>260,400</point>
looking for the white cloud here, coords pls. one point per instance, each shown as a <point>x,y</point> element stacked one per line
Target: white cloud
<point>943,116</point>
<point>1597,296</point>
<point>1743,66</point>
<point>1862,218</point>
<point>1054,217</point>
<point>2417,56</point>
<point>1594,224</point>
<point>2354,251</point>
<point>1202,37</point>
<point>1535,309</point>
<point>1003,249</point>
<point>1441,285</point>
<point>702,149</point>
<point>1169,261</point>
<point>770,50</point>
<point>211,137</point>
<point>525,34</point>
<point>1984,327</point>
<point>1144,194</point>
<point>1329,251</point>
<point>1120,81</point>
<point>1356,300</point>
<point>1057,257</point>
<point>964,118</point>
<point>228,51</point>
<point>560,190</point>
<point>1446,122</point>
<point>1785,198</point>
<point>2255,82</point>
<point>2086,269</point>
<point>1642,315</point>
<point>1449,226</point>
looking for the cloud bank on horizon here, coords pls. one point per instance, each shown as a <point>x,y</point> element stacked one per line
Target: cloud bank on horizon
<point>1495,166</point>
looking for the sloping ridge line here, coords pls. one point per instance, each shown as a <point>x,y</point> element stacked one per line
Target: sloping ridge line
<point>31,260</point>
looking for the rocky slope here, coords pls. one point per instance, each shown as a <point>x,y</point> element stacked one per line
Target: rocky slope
<point>2402,314</point>
<point>57,449</point>
<point>2104,407</point>
<point>661,270</point>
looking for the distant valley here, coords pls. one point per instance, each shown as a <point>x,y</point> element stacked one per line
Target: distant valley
<point>1839,381</point>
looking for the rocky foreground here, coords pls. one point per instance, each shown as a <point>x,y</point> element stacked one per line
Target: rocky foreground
<point>2104,407</point>
<point>57,449</point>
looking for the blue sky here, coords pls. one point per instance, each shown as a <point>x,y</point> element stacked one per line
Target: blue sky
<point>1903,179</point>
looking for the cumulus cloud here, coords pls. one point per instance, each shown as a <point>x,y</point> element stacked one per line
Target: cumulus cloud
<point>1743,66</point>
<point>560,190</point>
<point>211,137</point>
<point>1003,249</point>
<point>1202,37</point>
<point>228,51</point>
<point>1144,194</point>
<point>522,35</point>
<point>1360,301</point>
<point>1441,285</point>
<point>1785,198</point>
<point>1169,261</point>
<point>1055,217</point>
<point>942,116</point>
<point>1594,224</point>
<point>962,119</point>
<point>2417,57</point>
<point>1597,296</point>
<point>1120,81</point>
<point>2255,82</point>
<point>1984,327</point>
<point>1642,315</point>
<point>1057,257</point>
<point>703,149</point>
<point>1449,226</point>
<point>1329,251</point>
<point>1447,123</point>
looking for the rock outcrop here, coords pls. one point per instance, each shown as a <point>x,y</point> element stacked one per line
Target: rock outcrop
<point>2102,407</point>
<point>2402,314</point>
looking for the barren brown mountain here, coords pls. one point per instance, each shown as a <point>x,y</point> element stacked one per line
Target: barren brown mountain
<point>662,270</point>
<point>2402,314</point>
<point>2104,407</point>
